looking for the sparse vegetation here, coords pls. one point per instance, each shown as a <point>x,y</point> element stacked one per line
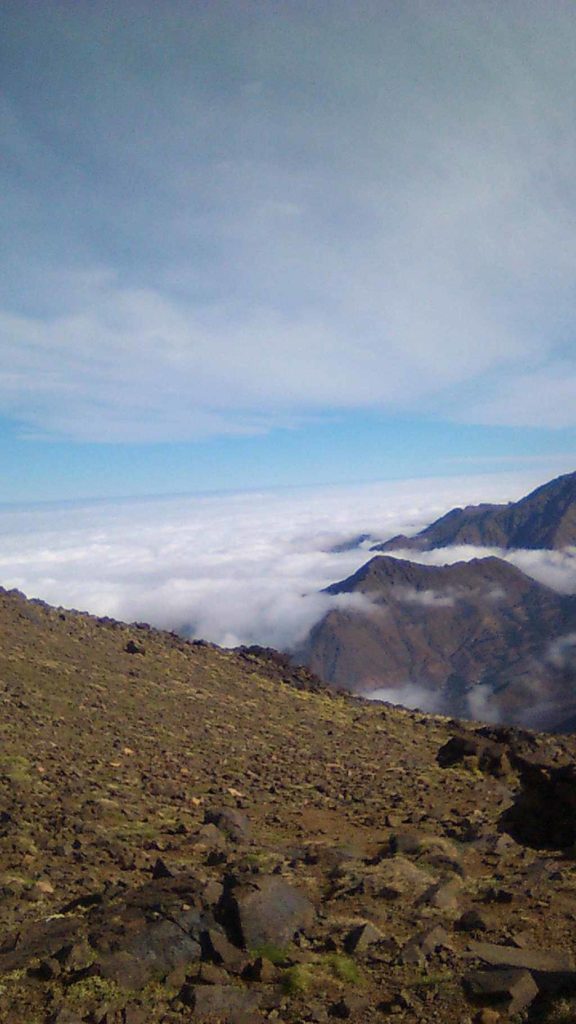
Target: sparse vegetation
<point>112,826</point>
<point>342,967</point>
<point>297,980</point>
<point>275,954</point>
<point>89,993</point>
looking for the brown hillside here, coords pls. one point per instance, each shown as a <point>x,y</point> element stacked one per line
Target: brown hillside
<point>190,834</point>
<point>450,630</point>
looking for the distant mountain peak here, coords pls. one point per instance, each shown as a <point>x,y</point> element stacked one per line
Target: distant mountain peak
<point>545,518</point>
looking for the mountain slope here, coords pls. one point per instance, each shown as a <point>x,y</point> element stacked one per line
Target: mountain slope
<point>165,807</point>
<point>472,637</point>
<point>546,518</point>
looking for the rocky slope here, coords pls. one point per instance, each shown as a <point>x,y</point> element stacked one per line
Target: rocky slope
<point>546,518</point>
<point>192,834</point>
<point>476,638</point>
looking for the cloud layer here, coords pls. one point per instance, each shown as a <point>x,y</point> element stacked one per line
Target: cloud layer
<point>244,568</point>
<point>227,217</point>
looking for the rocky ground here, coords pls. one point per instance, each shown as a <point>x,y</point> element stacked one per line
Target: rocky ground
<point>193,834</point>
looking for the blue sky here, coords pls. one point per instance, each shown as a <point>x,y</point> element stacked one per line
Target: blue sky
<point>255,244</point>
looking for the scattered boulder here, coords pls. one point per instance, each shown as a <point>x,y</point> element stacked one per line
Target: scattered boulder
<point>543,815</point>
<point>231,821</point>
<point>443,895</point>
<point>423,944</point>
<point>470,747</point>
<point>133,648</point>
<point>151,954</point>
<point>349,1006</point>
<point>270,911</point>
<point>222,952</point>
<point>530,959</point>
<point>513,989</point>
<point>395,878</point>
<point>221,1002</point>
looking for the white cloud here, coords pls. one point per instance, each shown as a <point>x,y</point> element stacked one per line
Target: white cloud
<point>555,569</point>
<point>295,210</point>
<point>409,695</point>
<point>426,598</point>
<point>244,568</point>
<point>562,651</point>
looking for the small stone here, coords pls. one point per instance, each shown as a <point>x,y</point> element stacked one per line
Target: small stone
<point>471,921</point>
<point>349,1006</point>
<point>222,952</point>
<point>260,970</point>
<point>360,938</point>
<point>487,1016</point>
<point>211,974</point>
<point>443,896</point>
<point>45,887</point>
<point>134,648</point>
<point>161,870</point>
<point>423,944</point>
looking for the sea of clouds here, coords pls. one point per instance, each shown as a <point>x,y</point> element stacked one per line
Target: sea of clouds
<point>236,568</point>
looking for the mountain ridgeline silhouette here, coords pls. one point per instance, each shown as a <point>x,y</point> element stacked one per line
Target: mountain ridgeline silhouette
<point>545,518</point>
<point>477,639</point>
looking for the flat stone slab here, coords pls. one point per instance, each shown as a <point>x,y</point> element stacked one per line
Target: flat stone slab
<point>530,959</point>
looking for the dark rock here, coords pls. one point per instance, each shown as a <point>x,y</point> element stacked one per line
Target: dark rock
<point>222,1002</point>
<point>134,1015</point>
<point>150,954</point>
<point>271,911</point>
<point>471,921</point>
<point>360,938</point>
<point>443,896</point>
<point>42,939</point>
<point>133,648</point>
<point>530,959</point>
<point>210,974</point>
<point>349,1006</point>
<point>496,894</point>
<point>261,970</point>
<point>231,821</point>
<point>405,842</point>
<point>544,813</point>
<point>423,944</point>
<point>47,969</point>
<point>161,870</point>
<point>515,989</point>
<point>222,952</point>
<point>490,757</point>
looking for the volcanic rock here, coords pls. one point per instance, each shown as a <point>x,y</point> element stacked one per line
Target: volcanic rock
<point>544,812</point>
<point>514,989</point>
<point>270,912</point>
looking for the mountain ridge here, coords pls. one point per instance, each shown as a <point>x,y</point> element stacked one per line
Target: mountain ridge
<point>469,635</point>
<point>545,518</point>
